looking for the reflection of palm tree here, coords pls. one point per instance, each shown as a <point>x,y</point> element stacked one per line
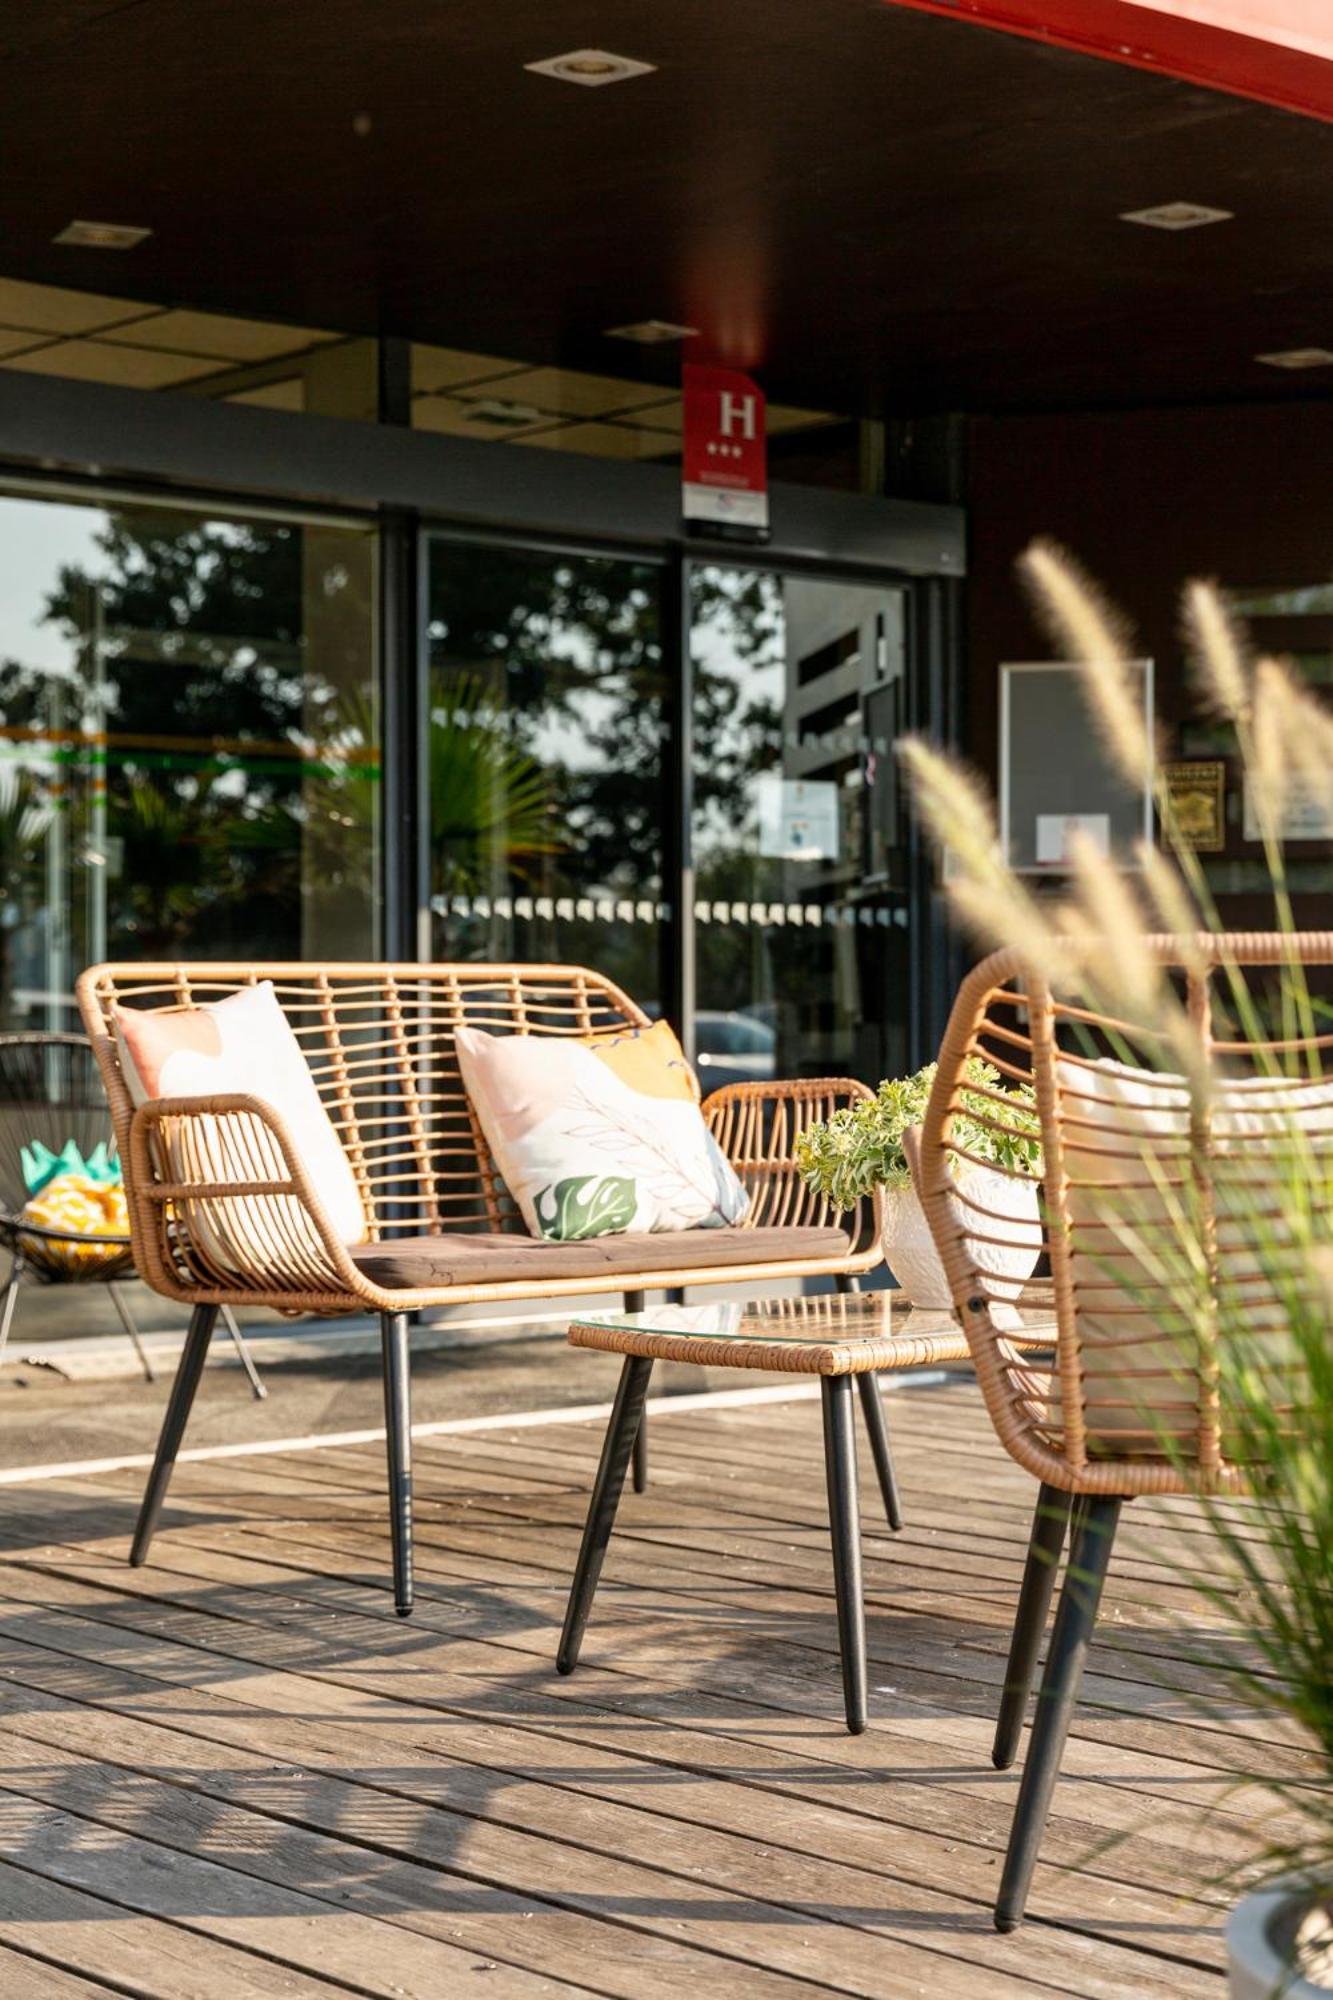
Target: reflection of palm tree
<point>23,819</point>
<point>166,878</point>
<point>490,799</point>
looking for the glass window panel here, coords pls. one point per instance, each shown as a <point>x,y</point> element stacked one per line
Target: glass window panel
<point>545,760</point>
<point>189,750</point>
<point>799,826</point>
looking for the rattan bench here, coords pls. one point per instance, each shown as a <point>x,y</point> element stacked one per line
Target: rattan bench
<point>441,1228</point>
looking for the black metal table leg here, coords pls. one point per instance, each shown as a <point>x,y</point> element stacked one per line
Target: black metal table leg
<point>626,1414</point>
<point>845,1530</point>
<point>877,1430</point>
<point>1090,1552</point>
<point>179,1403</point>
<point>1045,1544</point>
<point>634,1303</point>
<point>398,1452</point>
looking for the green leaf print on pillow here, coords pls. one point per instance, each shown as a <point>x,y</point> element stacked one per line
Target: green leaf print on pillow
<point>585,1205</point>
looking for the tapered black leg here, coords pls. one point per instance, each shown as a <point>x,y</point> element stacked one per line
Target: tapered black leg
<point>179,1404</point>
<point>634,1303</point>
<point>845,1529</point>
<point>1089,1554</point>
<point>626,1414</point>
<point>1047,1540</point>
<point>11,1298</point>
<point>398,1447</point>
<point>877,1429</point>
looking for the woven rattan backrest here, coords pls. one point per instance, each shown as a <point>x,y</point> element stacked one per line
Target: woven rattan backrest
<point>379,1040</point>
<point>1161,1196</point>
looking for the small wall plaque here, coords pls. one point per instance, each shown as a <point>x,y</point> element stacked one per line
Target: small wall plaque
<point>1197,791</point>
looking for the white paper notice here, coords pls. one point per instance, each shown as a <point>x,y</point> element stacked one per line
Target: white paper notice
<point>1056,830</point>
<point>798,819</point>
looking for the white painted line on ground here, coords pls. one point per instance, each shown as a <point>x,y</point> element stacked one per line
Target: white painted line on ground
<point>574,1413</point>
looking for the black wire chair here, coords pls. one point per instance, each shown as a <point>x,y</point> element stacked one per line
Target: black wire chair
<point>50,1091</point>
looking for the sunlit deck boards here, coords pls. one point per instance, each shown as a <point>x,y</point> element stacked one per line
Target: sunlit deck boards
<point>235,1772</point>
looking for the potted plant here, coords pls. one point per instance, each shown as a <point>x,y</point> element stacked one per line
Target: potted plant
<point>861,1148</point>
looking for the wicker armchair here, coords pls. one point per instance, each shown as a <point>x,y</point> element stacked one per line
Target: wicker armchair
<point>441,1228</point>
<point>1132,1405</point>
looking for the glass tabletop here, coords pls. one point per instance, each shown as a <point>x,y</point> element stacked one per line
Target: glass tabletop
<point>851,1316</point>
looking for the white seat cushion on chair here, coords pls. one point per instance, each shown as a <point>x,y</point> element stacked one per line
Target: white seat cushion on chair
<point>1134,1232</point>
<point>243,1044</point>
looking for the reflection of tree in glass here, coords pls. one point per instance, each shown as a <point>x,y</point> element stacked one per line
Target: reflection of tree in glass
<point>488,795</point>
<point>23,819</point>
<point>189,640</point>
<point>570,653</point>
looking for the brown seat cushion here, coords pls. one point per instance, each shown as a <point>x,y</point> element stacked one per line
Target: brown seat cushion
<point>414,1263</point>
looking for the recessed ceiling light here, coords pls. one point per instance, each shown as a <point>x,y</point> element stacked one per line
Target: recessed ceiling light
<point>591,67</point>
<point>505,416</point>
<point>102,235</point>
<point>1298,357</point>
<point>1178,215</point>
<point>652,332</point>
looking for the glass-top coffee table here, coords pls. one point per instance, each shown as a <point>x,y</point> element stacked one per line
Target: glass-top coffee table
<point>845,1338</point>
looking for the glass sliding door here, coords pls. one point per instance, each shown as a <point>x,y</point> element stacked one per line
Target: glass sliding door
<point>802,878</point>
<point>544,748</point>
<point>189,747</point>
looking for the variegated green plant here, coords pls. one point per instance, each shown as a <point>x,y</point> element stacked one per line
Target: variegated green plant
<point>860,1147</point>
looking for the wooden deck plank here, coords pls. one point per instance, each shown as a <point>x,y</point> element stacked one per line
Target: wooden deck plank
<point>687,1808</point>
<point>23,1977</point>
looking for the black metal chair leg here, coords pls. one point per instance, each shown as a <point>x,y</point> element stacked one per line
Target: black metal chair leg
<point>127,1320</point>
<point>845,1530</point>
<point>1045,1544</point>
<point>239,1342</point>
<point>11,1299</point>
<point>1089,1554</point>
<point>398,1450</point>
<point>634,1303</point>
<point>617,1445</point>
<point>179,1404</point>
<point>877,1429</point>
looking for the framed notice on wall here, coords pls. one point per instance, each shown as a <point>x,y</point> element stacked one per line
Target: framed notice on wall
<point>1057,782</point>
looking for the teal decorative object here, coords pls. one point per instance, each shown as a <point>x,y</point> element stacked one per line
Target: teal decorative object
<point>41,1166</point>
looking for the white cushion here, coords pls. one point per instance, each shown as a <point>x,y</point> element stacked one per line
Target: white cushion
<point>242,1044</point>
<point>595,1138</point>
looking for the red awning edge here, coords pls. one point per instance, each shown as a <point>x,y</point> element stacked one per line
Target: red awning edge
<point>1145,37</point>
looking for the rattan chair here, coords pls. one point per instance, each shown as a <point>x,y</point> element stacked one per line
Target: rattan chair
<point>440,1226</point>
<point>51,1092</point>
<point>1134,1156</point>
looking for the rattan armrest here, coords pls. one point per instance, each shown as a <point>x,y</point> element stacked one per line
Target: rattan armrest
<point>160,1207</point>
<point>757,1126</point>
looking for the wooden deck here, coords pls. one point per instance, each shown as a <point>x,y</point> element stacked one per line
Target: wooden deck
<point>236,1773</point>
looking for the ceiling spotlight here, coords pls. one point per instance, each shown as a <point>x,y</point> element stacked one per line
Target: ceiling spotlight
<point>652,332</point>
<point>1178,215</point>
<point>590,67</point>
<point>1298,357</point>
<point>102,235</point>
<point>504,416</point>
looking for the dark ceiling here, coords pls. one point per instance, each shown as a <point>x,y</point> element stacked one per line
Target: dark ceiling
<point>881,211</point>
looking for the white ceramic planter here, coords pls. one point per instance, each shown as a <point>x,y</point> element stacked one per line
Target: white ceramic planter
<point>1260,1931</point>
<point>909,1248</point>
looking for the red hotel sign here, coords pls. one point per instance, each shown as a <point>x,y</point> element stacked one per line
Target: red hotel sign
<point>724,469</point>
<point>1280,51</point>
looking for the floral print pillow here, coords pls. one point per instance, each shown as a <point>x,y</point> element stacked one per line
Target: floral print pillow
<point>593,1138</point>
